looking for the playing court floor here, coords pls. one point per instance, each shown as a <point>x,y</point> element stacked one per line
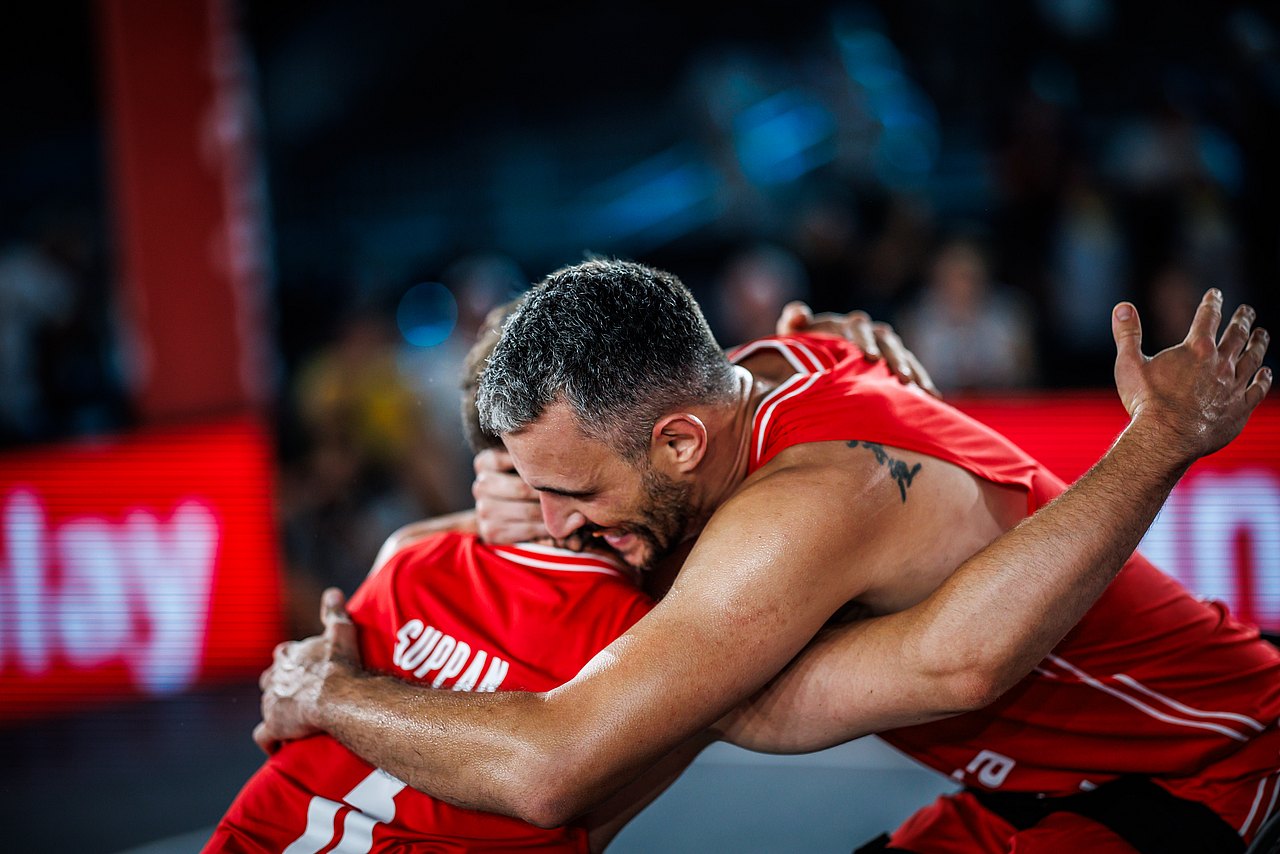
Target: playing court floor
<point>153,778</point>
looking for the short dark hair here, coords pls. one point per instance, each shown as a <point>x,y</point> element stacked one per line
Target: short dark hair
<point>477,437</point>
<point>621,343</point>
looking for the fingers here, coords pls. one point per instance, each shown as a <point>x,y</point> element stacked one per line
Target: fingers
<point>1251,359</point>
<point>1126,328</point>
<point>339,630</point>
<point>514,532</point>
<point>897,358</point>
<point>502,485</point>
<point>263,739</point>
<point>856,327</point>
<point>1258,389</point>
<point>922,377</point>
<point>1204,326</point>
<point>333,607</point>
<point>795,317</point>
<point>492,459</point>
<point>1236,335</point>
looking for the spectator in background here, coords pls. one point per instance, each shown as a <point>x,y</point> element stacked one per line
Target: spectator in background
<point>37,296</point>
<point>977,333</point>
<point>1088,274</point>
<point>895,255</point>
<point>369,467</point>
<point>754,287</point>
<point>1209,238</point>
<point>1032,167</point>
<point>827,234</point>
<point>1173,297</point>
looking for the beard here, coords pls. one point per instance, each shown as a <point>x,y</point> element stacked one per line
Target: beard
<point>665,521</point>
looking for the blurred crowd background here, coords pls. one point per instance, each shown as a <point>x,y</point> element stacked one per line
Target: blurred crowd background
<point>988,176</point>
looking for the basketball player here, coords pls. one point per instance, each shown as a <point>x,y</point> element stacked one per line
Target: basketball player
<point>833,487</point>
<point>447,611</point>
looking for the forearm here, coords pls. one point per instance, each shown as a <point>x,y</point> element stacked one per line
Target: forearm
<point>1006,607</point>
<point>539,757</point>
<point>406,730</point>
<point>984,628</point>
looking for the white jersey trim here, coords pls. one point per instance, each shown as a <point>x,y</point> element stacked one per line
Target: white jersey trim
<point>796,385</point>
<point>556,551</point>
<point>1257,800</point>
<point>1187,710</point>
<point>785,348</point>
<point>515,556</point>
<point>1149,710</point>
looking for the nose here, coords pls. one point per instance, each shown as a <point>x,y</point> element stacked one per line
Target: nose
<point>559,515</point>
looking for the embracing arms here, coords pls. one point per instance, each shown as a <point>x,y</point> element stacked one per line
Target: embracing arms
<point>993,620</point>
<point>745,605</point>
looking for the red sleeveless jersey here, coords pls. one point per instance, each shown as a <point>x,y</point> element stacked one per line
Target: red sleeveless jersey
<point>1152,681</point>
<point>452,613</point>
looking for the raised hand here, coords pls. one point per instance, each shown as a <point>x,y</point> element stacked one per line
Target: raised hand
<point>1198,393</point>
<point>507,508</point>
<point>875,339</point>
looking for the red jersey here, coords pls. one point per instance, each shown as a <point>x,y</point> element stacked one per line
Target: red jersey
<point>1151,681</point>
<point>452,613</point>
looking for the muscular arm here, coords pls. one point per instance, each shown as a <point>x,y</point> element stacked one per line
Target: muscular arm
<point>991,622</point>
<point>739,611</point>
<point>984,629</point>
<point>746,603</point>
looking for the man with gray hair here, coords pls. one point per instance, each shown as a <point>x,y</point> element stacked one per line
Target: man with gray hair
<point>837,491</point>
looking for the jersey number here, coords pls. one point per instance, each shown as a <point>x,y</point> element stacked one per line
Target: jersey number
<point>992,768</point>
<point>373,802</point>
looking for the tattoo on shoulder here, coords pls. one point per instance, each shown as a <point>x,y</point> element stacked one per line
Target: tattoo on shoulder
<point>898,470</point>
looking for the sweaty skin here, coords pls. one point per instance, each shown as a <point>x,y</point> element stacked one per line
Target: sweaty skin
<point>781,550</point>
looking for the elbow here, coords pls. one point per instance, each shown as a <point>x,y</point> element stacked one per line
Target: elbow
<point>553,804</point>
<point>547,792</point>
<point>972,688</point>
<point>546,813</point>
<point>963,680</point>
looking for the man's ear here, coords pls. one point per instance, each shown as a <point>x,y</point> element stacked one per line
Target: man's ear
<point>678,442</point>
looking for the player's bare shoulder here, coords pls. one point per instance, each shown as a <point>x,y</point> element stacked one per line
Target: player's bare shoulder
<point>912,518</point>
<point>853,468</point>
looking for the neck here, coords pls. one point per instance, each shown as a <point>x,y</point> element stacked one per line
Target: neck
<point>729,453</point>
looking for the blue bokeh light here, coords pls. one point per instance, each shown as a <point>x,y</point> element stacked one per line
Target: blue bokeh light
<point>427,314</point>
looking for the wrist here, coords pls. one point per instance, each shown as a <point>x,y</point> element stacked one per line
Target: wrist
<point>1158,445</point>
<point>336,680</point>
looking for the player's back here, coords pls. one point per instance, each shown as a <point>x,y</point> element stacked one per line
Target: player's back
<point>454,614</point>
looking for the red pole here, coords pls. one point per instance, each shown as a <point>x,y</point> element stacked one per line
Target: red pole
<point>188,206</point>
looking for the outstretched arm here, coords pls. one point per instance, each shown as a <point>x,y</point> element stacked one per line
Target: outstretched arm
<point>990,623</point>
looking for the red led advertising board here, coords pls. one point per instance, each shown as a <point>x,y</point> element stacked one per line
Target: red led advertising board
<point>142,566</point>
<point>136,566</point>
<point>1219,533</point>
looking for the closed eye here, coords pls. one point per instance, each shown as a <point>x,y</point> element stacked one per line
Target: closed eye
<point>567,493</point>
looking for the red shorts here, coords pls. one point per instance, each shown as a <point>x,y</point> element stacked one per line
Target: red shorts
<point>1243,788</point>
<point>958,824</point>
